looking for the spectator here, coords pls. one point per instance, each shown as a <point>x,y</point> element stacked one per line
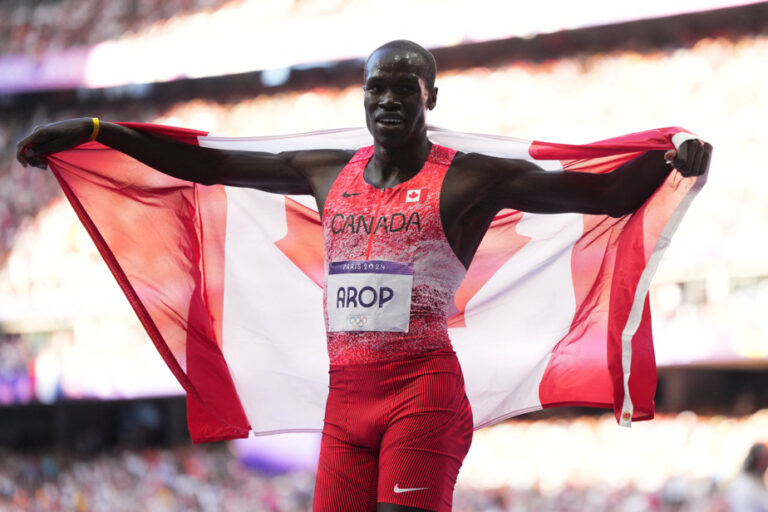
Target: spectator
<point>748,492</point>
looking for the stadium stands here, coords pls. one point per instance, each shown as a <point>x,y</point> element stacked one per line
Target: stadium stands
<point>39,26</point>
<point>682,462</point>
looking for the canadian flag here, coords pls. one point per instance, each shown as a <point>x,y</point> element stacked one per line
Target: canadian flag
<point>413,195</point>
<point>227,283</point>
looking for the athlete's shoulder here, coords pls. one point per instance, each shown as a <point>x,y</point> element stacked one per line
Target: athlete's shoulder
<point>483,166</point>
<point>462,159</point>
<point>482,161</point>
<point>319,158</point>
<point>467,166</point>
<point>481,176</point>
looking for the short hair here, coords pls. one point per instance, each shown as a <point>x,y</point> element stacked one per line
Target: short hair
<point>428,67</point>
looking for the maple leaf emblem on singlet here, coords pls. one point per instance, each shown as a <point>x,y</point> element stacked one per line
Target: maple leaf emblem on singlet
<point>303,245</point>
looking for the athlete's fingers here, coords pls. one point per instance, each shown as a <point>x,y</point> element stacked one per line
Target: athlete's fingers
<point>670,155</point>
<point>31,157</point>
<point>698,158</point>
<point>689,158</point>
<point>23,147</point>
<point>30,146</point>
<point>46,146</point>
<point>702,158</point>
<point>40,163</point>
<point>706,151</point>
<point>41,141</point>
<point>52,138</point>
<point>689,161</point>
<point>29,139</point>
<point>20,155</point>
<point>699,154</point>
<point>36,150</point>
<point>708,157</point>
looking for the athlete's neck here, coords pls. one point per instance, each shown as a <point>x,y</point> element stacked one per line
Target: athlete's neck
<point>390,166</point>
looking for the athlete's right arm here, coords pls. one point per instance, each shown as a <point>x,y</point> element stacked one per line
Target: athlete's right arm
<point>280,173</point>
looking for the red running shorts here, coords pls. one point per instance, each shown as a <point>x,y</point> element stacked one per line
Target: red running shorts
<point>395,432</point>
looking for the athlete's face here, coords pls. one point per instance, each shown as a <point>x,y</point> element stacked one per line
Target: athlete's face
<point>396,97</point>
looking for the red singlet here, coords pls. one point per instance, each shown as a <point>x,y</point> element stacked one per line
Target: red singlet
<point>399,224</point>
<point>397,422</point>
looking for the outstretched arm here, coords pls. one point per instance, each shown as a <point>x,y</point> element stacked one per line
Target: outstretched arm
<point>526,187</point>
<point>285,173</point>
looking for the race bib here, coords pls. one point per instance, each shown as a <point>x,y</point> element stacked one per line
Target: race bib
<point>369,296</point>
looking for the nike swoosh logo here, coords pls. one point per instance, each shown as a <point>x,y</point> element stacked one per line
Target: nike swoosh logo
<point>399,489</point>
<point>347,194</point>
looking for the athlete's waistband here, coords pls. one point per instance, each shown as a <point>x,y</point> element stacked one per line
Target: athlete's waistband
<point>444,352</point>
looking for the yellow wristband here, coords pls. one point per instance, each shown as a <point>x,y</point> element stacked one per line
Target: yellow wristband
<point>95,131</point>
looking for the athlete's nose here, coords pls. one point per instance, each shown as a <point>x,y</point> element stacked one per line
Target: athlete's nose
<point>389,100</point>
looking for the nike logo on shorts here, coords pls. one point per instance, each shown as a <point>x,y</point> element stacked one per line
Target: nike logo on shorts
<point>348,194</point>
<point>399,489</point>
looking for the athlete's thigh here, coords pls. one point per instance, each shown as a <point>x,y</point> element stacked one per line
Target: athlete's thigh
<point>425,443</point>
<point>346,477</point>
<point>348,466</point>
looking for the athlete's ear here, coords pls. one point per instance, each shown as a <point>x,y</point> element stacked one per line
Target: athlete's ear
<point>432,100</point>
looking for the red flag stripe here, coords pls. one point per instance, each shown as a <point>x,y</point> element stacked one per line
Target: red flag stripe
<point>214,410</point>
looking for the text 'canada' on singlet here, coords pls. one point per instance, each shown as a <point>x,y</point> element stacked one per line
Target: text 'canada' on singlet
<point>391,274</point>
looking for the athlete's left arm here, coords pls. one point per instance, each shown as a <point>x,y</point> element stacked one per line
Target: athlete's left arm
<point>524,186</point>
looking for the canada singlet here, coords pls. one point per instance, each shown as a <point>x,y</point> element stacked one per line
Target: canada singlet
<point>391,274</point>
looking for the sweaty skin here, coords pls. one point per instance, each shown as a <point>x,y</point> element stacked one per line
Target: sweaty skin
<point>399,91</point>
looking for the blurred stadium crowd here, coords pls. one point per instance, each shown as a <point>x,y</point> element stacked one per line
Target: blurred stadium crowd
<point>35,27</point>
<point>709,298</point>
<point>185,479</point>
<point>680,463</point>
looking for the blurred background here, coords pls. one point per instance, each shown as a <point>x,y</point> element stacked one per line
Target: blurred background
<point>90,417</point>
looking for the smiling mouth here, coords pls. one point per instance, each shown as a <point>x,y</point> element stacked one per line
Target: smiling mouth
<point>390,121</point>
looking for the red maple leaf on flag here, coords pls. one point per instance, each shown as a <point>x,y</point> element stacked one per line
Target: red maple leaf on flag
<point>303,245</point>
<point>501,242</point>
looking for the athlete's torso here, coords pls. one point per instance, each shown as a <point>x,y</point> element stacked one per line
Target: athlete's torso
<point>401,225</point>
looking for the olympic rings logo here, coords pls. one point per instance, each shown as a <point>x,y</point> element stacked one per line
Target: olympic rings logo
<point>357,321</point>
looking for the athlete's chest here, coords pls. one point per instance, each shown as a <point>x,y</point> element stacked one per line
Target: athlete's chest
<point>363,210</point>
<point>360,220</point>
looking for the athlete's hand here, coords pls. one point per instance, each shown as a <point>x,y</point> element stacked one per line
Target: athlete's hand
<point>51,138</point>
<point>692,158</point>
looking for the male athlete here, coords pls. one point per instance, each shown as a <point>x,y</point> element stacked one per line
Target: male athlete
<point>397,422</point>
